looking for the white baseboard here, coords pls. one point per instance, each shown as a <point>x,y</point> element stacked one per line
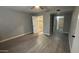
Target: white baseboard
<point>65,32</point>
<point>3,51</point>
<point>46,34</point>
<point>14,37</point>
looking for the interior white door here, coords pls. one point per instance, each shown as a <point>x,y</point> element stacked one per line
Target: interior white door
<point>74,41</point>
<point>40,24</point>
<point>34,20</point>
<point>75,46</point>
<point>72,29</point>
<point>37,24</point>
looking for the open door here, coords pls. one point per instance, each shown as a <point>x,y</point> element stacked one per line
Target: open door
<point>37,24</point>
<point>34,20</point>
<point>74,32</point>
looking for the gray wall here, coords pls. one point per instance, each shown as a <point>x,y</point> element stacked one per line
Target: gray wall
<point>14,23</point>
<point>46,23</point>
<point>67,22</point>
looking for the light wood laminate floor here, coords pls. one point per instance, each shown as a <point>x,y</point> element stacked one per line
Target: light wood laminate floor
<point>34,43</point>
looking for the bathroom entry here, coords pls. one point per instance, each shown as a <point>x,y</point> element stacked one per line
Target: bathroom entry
<point>37,24</point>
<point>58,23</point>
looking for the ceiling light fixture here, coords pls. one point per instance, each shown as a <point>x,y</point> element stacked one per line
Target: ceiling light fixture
<point>37,7</point>
<point>58,11</point>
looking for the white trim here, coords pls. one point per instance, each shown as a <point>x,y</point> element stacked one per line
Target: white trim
<point>65,32</point>
<point>14,37</point>
<point>46,34</point>
<point>3,51</point>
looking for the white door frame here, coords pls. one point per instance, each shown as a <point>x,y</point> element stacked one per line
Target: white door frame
<point>35,24</point>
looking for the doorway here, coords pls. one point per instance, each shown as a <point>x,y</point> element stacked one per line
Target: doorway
<point>37,24</point>
<point>58,24</point>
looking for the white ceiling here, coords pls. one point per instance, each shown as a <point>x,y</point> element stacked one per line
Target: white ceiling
<point>46,8</point>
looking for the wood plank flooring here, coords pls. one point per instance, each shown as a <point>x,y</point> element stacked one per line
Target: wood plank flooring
<point>34,43</point>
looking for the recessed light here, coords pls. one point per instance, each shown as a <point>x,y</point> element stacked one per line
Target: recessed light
<point>37,7</point>
<point>58,10</point>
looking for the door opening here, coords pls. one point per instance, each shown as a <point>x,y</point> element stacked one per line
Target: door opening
<point>37,24</point>
<point>58,23</point>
